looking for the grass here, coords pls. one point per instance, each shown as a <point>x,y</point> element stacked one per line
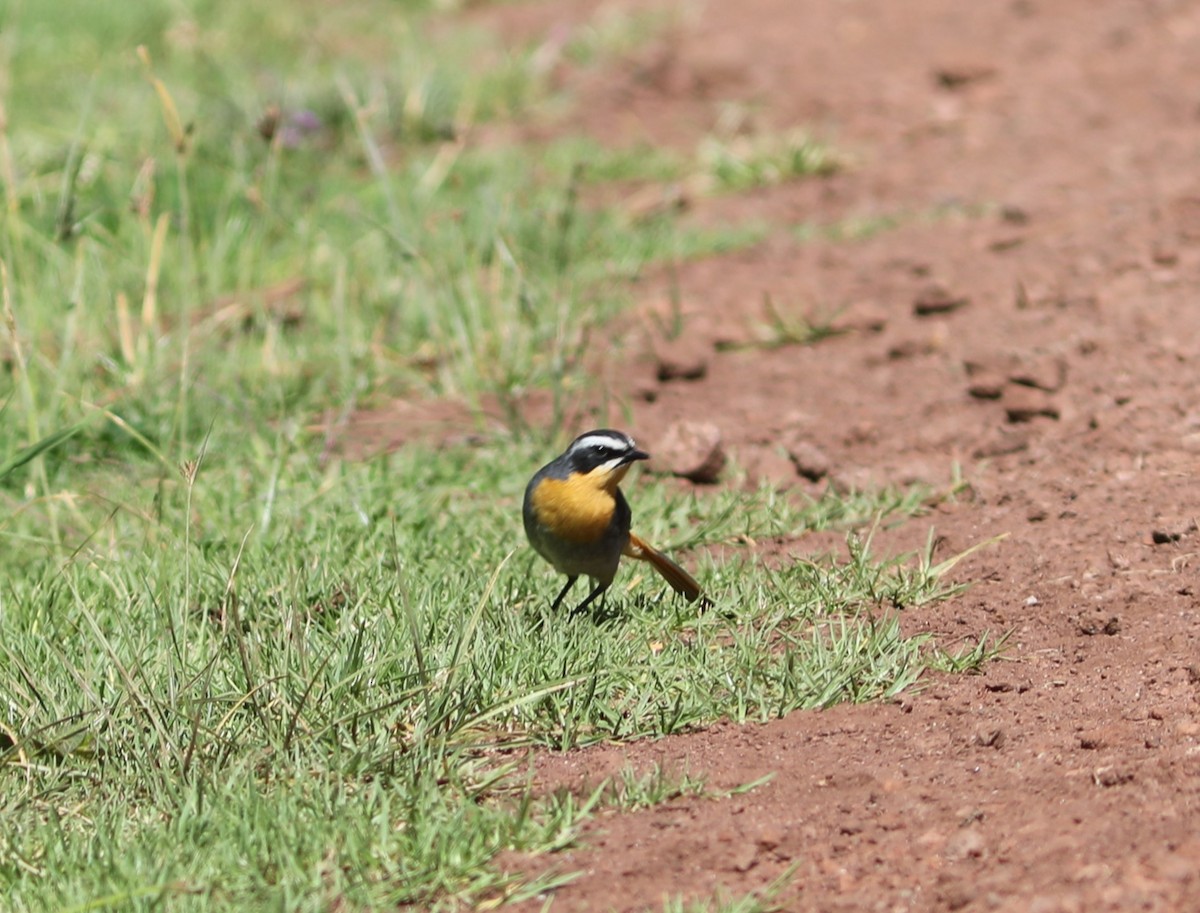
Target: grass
<point>327,667</point>
<point>236,671</point>
<point>633,790</point>
<point>745,162</point>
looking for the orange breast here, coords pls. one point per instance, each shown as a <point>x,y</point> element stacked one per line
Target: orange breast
<point>575,508</point>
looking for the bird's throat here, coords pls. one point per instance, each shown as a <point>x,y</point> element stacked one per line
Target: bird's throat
<point>579,508</point>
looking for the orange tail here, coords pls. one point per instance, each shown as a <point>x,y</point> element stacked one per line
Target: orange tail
<point>681,581</point>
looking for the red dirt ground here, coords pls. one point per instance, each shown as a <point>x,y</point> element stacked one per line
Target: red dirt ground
<point>1041,160</point>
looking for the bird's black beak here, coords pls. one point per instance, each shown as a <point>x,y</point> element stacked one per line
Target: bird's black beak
<point>635,455</point>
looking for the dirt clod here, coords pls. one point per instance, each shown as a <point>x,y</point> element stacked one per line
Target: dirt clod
<point>992,738</point>
<point>1024,404</point>
<point>810,460</point>
<point>936,299</point>
<point>1041,372</point>
<point>861,317</point>
<point>1092,626</point>
<point>987,385</point>
<point>962,73</point>
<point>680,361</point>
<point>692,450</point>
<point>1112,776</point>
<point>1165,536</point>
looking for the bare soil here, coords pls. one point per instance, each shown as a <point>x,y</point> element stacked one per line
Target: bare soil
<point>1029,311</point>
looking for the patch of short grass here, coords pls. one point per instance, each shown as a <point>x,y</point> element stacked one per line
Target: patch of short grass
<point>603,164</point>
<point>322,654</point>
<point>632,790</point>
<point>747,161</point>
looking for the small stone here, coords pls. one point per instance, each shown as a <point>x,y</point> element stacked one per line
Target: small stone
<point>1014,215</point>
<point>935,299</point>
<point>1164,536</point>
<point>810,460</point>
<point>1044,372</point>
<point>993,738</point>
<point>678,360</point>
<point>693,451</point>
<point>987,385</point>
<point>1112,776</point>
<point>767,465</point>
<point>987,379</point>
<point>770,836</point>
<point>1024,404</point>
<point>860,317</point>
<point>1092,626</point>
<point>962,73</point>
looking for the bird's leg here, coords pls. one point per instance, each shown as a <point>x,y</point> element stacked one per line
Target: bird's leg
<point>597,591</point>
<point>558,600</point>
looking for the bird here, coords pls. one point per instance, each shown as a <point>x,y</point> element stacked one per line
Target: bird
<point>578,520</point>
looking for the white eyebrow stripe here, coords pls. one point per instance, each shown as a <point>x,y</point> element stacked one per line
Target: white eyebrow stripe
<point>602,440</point>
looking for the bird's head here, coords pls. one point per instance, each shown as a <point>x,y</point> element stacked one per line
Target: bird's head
<point>604,455</point>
